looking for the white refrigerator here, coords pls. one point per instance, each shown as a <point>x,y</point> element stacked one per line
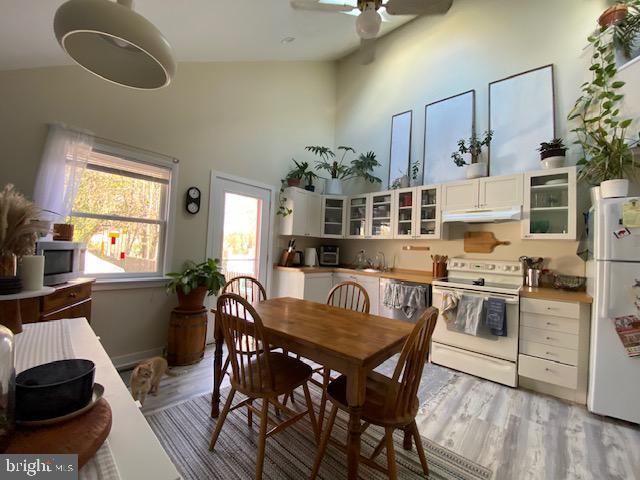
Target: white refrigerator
<point>613,280</point>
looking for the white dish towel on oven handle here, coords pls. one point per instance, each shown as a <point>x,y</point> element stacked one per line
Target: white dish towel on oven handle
<point>449,305</point>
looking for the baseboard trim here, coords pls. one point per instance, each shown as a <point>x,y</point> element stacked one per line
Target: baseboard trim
<point>126,362</point>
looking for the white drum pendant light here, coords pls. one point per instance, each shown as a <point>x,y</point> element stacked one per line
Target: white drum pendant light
<point>112,41</point>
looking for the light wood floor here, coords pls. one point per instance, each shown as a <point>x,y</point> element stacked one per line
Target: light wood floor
<point>516,433</point>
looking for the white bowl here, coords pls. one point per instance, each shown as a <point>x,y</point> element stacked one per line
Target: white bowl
<point>553,162</point>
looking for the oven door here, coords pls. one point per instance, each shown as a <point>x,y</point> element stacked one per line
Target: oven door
<point>484,343</point>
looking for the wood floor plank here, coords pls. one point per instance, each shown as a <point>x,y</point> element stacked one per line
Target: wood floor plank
<point>516,433</point>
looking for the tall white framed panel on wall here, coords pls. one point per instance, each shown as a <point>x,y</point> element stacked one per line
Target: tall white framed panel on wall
<point>521,115</point>
<point>400,146</point>
<point>446,121</point>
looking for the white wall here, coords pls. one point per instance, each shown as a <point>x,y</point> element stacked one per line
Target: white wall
<point>428,59</point>
<point>246,119</point>
<point>477,42</point>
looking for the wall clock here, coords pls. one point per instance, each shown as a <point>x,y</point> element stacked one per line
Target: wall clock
<point>193,200</point>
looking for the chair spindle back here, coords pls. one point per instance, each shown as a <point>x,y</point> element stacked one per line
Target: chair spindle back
<point>247,287</point>
<point>408,372</point>
<point>349,295</point>
<point>247,343</point>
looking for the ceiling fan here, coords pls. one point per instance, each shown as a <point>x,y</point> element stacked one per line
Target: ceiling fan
<point>369,19</point>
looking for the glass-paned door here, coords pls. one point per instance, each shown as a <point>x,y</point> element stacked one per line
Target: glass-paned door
<point>405,213</point>
<point>333,210</point>
<point>358,216</point>
<point>239,229</point>
<point>429,212</point>
<point>381,210</point>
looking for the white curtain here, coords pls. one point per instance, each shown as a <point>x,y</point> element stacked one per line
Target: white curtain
<point>64,159</point>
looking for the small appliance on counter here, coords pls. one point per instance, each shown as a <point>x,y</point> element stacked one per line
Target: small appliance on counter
<point>310,257</point>
<point>63,261</point>
<point>329,256</point>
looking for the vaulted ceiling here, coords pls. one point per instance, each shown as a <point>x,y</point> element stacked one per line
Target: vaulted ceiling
<point>198,30</point>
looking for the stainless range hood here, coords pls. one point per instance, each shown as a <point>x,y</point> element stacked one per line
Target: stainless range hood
<point>483,215</point>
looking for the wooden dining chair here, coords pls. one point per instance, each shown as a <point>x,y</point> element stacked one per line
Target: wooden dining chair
<point>248,288</point>
<point>259,373</point>
<point>391,403</point>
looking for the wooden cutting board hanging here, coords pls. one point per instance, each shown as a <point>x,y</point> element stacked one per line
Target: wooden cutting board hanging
<point>481,242</point>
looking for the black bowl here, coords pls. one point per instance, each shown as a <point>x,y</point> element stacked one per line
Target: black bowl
<point>54,389</point>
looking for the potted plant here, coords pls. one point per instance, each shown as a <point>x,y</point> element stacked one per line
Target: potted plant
<point>608,158</point>
<point>552,153</point>
<point>360,167</point>
<point>473,147</point>
<point>613,15</point>
<point>195,282</point>
<point>624,21</point>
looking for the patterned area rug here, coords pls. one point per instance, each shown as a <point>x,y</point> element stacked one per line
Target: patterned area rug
<point>184,430</point>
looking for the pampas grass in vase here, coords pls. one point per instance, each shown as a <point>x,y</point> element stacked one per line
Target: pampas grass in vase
<point>19,229</point>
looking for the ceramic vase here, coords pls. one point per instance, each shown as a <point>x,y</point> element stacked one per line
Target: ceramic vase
<point>614,188</point>
<point>333,186</point>
<point>476,170</point>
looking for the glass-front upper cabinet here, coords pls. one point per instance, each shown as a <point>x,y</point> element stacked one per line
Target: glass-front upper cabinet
<point>550,204</point>
<point>428,212</point>
<point>381,208</point>
<point>405,217</point>
<point>358,215</point>
<point>333,216</point>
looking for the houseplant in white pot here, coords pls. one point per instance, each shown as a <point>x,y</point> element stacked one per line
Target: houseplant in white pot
<point>360,167</point>
<point>473,147</point>
<point>608,158</point>
<point>552,153</point>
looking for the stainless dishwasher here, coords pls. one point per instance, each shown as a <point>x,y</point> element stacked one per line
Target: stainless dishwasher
<point>399,314</point>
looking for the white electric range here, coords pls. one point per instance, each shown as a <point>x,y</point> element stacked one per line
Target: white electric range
<point>484,355</point>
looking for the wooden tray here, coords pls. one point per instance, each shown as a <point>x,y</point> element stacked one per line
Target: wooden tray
<point>83,435</point>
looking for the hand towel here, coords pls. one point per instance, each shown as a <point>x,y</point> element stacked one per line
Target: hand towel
<point>412,299</point>
<point>391,295</point>
<point>469,313</point>
<point>449,305</point>
<point>496,316</point>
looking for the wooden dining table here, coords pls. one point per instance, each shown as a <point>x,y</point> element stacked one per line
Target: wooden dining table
<point>349,342</point>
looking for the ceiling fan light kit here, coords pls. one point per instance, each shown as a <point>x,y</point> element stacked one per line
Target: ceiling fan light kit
<point>368,22</point>
<point>115,43</point>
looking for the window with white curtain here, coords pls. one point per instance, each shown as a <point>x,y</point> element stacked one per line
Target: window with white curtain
<point>122,211</point>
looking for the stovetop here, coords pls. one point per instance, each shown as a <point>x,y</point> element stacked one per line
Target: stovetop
<point>483,275</point>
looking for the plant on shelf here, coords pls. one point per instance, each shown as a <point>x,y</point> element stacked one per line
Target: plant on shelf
<point>414,170</point>
<point>623,19</point>
<point>360,167</point>
<point>608,158</point>
<point>473,147</point>
<point>195,282</point>
<point>300,171</point>
<point>552,153</point>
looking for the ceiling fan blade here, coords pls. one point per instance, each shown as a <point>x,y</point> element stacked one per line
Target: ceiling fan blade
<point>321,7</point>
<point>418,7</point>
<point>367,51</point>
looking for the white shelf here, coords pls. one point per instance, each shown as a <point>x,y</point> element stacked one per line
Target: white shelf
<point>333,223</point>
<point>405,208</point>
<point>405,221</point>
<point>548,209</point>
<point>428,205</point>
<point>549,187</point>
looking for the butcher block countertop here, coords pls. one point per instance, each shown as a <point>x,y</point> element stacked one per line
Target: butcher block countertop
<point>422,276</point>
<point>415,276</point>
<point>555,294</point>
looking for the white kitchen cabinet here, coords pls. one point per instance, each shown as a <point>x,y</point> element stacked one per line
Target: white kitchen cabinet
<point>417,212</point>
<point>550,204</point>
<point>298,284</point>
<point>370,283</point>
<point>358,216</point>
<point>333,214</point>
<point>486,192</point>
<point>503,191</point>
<point>381,212</point>
<point>305,218</point>
<point>554,347</point>
<point>460,195</point>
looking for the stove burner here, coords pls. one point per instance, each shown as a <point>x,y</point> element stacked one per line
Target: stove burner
<point>479,282</point>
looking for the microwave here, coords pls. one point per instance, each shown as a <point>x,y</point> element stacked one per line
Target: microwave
<point>63,261</point>
<point>329,255</point>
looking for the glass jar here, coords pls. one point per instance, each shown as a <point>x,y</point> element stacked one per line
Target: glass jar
<point>7,387</point>
<point>8,264</point>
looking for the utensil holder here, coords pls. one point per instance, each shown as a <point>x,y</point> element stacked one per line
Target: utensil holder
<point>533,277</point>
